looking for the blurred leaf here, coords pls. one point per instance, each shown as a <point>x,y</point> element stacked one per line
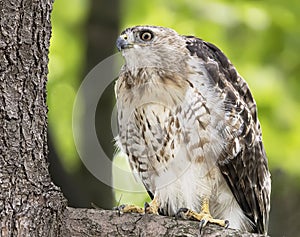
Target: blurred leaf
<point>67,50</point>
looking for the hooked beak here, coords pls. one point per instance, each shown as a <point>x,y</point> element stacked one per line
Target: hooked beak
<point>122,42</point>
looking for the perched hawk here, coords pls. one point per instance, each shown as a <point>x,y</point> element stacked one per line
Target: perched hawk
<point>189,125</point>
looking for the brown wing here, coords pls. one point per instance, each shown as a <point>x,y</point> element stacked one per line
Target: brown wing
<point>243,162</point>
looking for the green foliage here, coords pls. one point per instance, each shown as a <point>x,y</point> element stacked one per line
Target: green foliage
<point>67,49</point>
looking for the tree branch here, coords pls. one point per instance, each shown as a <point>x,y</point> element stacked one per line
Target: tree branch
<point>94,222</point>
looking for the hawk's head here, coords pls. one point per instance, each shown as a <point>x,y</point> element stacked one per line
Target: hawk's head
<point>152,46</point>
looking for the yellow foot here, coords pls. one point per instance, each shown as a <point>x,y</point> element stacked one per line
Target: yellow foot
<point>150,208</point>
<point>202,217</point>
<point>125,208</point>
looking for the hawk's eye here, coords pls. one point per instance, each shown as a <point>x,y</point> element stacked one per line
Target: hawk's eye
<point>146,35</point>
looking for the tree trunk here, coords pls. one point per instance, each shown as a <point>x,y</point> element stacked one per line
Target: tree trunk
<point>30,204</point>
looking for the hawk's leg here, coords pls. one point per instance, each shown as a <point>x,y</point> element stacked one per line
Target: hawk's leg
<point>204,216</point>
<point>151,208</point>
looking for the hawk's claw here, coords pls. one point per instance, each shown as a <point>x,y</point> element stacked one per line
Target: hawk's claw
<point>152,207</point>
<point>119,208</point>
<point>226,224</point>
<point>146,207</point>
<point>203,217</point>
<point>202,223</point>
<point>180,211</point>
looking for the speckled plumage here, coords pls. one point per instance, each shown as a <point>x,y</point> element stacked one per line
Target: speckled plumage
<point>189,125</point>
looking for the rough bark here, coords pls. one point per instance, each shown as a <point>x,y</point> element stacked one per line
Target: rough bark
<point>92,222</point>
<point>30,204</point>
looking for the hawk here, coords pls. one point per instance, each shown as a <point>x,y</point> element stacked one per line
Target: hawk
<point>188,124</point>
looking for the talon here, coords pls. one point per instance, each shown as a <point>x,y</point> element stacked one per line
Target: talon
<point>119,209</point>
<point>183,209</point>
<point>226,224</point>
<point>203,217</point>
<point>179,214</point>
<point>152,207</point>
<point>146,207</point>
<point>202,223</point>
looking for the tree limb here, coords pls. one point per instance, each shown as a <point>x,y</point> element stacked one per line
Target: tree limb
<point>94,222</point>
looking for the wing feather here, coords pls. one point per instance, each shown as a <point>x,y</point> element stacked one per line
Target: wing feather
<point>243,163</point>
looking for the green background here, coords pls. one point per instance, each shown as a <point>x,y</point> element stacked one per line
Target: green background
<point>262,40</point>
